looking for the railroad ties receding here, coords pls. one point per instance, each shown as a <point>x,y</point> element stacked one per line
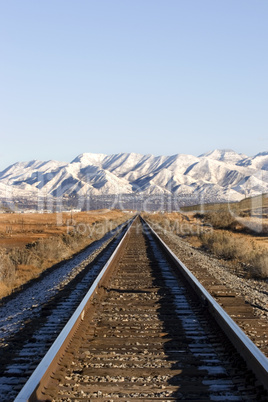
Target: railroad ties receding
<point>148,338</point>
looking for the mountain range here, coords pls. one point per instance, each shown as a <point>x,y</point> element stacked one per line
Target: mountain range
<point>217,176</point>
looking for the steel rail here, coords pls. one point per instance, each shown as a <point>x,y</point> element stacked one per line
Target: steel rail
<point>254,358</point>
<point>30,390</point>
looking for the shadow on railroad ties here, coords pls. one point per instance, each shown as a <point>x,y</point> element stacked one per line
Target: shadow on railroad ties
<point>186,382</point>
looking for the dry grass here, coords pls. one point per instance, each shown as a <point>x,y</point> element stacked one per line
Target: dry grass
<point>220,220</point>
<point>221,244</point>
<point>227,246</point>
<point>176,222</point>
<point>34,242</point>
<point>259,264</point>
<point>249,215</point>
<point>225,220</point>
<point>7,268</point>
<point>20,229</point>
<point>250,206</point>
<point>219,234</point>
<point>181,224</point>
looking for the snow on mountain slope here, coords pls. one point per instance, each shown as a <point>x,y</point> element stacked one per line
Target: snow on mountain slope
<point>260,161</point>
<point>158,180</point>
<point>121,163</point>
<point>179,163</point>
<point>252,185</point>
<point>147,164</point>
<point>220,175</point>
<point>86,159</point>
<point>21,170</point>
<point>224,155</point>
<point>216,172</point>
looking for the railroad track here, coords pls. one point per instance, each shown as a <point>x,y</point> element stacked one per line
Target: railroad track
<point>146,330</point>
<point>31,319</point>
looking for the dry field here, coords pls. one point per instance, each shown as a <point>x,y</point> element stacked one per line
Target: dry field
<point>31,243</point>
<point>20,229</point>
<point>253,206</point>
<point>241,241</point>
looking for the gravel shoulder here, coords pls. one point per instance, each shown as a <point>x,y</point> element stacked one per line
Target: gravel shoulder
<point>255,292</point>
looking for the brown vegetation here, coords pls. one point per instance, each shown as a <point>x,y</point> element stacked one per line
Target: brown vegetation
<point>248,215</point>
<point>221,234</point>
<point>249,206</point>
<point>31,243</point>
<point>228,246</point>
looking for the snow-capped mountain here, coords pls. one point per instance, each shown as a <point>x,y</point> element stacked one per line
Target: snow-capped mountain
<point>225,155</point>
<point>220,175</point>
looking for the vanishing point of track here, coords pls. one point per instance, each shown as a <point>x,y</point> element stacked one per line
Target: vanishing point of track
<point>145,335</point>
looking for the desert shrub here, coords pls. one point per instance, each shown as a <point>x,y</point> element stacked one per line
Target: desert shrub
<point>68,239</point>
<point>49,249</point>
<point>7,269</point>
<point>221,220</point>
<point>227,246</point>
<point>245,214</point>
<point>199,215</point>
<point>20,256</point>
<point>36,253</point>
<point>221,244</point>
<point>264,229</point>
<point>259,264</point>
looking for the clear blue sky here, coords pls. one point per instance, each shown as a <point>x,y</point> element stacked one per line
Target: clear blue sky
<point>147,76</point>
